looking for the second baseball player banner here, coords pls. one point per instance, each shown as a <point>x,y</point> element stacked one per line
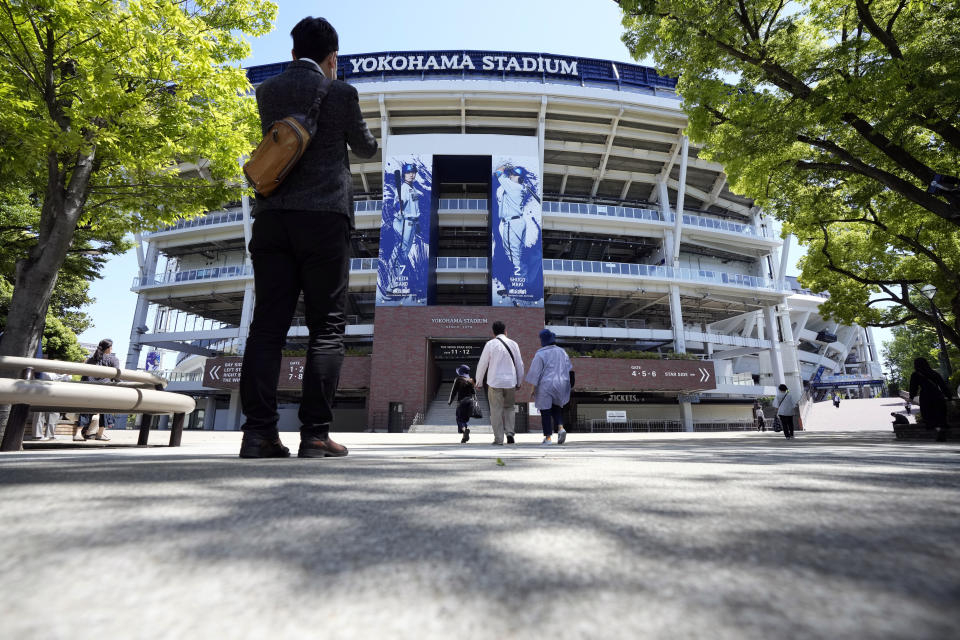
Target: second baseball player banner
<point>403,273</point>
<point>516,264</point>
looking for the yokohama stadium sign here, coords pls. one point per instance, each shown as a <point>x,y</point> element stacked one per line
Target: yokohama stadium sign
<point>460,61</point>
<point>493,65</point>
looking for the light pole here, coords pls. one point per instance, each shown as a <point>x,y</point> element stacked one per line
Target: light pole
<point>928,291</point>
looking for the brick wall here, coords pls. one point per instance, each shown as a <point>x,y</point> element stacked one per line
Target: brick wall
<point>355,373</point>
<point>401,338</point>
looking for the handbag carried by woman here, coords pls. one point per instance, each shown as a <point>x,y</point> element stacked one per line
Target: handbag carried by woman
<point>475,411</point>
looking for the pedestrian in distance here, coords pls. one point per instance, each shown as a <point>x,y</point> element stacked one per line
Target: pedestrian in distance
<point>552,377</point>
<point>836,399</point>
<point>934,392</point>
<point>45,422</point>
<point>758,414</point>
<point>786,408</point>
<point>501,364</point>
<point>103,356</point>
<point>465,391</point>
<point>301,244</point>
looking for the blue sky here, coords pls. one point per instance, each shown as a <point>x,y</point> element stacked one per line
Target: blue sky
<point>586,28</point>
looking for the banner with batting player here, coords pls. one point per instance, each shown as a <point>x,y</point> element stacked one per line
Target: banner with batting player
<point>516,264</point>
<point>403,270</point>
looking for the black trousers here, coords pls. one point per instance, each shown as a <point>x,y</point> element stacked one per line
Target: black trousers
<point>294,252</point>
<point>787,423</point>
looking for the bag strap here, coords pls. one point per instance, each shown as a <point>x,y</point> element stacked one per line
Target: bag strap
<point>509,353</point>
<point>314,112</point>
<point>782,399</point>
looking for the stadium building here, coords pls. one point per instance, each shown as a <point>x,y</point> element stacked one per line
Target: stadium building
<point>534,189</point>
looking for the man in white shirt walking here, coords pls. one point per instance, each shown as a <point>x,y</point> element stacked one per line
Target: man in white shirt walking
<point>501,365</point>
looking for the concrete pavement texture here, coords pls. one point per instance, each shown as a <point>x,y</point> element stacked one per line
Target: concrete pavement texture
<point>868,414</point>
<point>745,535</point>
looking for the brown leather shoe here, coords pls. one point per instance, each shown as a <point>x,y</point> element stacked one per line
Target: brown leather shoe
<point>257,446</point>
<point>315,447</point>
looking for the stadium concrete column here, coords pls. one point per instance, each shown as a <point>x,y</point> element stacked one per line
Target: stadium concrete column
<point>678,211</point>
<point>668,237</point>
<point>676,315</point>
<point>680,346</point>
<point>791,360</point>
<point>235,411</point>
<point>541,129</point>
<point>247,227</point>
<point>210,413</point>
<point>871,345</point>
<point>773,336</point>
<point>384,122</point>
<point>784,259</point>
<point>148,270</point>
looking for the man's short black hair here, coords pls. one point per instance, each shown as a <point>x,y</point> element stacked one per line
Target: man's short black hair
<point>498,328</point>
<point>314,38</point>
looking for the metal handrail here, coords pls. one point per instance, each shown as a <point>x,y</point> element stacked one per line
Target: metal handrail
<point>606,268</point>
<point>129,392</point>
<point>44,395</point>
<point>78,369</point>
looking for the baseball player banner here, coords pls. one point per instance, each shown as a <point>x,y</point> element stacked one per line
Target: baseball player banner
<point>153,361</point>
<point>403,271</point>
<point>516,265</point>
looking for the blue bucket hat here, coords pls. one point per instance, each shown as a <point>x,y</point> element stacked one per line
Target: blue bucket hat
<point>463,371</point>
<point>547,337</point>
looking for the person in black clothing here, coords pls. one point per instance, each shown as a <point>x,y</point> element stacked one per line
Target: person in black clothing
<point>301,243</point>
<point>103,356</point>
<point>465,390</point>
<point>933,392</point>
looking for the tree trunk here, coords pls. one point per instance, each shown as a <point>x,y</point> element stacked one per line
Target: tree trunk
<point>37,273</point>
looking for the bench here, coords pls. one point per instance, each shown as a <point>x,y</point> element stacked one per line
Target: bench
<point>920,431</point>
<point>126,391</point>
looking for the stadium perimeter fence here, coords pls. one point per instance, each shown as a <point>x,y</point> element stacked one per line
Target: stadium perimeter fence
<point>597,425</point>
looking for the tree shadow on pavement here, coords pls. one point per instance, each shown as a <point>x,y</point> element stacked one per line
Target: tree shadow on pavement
<point>666,537</point>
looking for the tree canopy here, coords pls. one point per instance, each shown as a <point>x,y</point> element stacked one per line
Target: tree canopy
<point>835,116</point>
<point>59,337</point>
<point>912,341</point>
<point>117,117</point>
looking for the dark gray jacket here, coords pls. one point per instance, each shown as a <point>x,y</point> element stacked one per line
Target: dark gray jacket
<point>321,180</point>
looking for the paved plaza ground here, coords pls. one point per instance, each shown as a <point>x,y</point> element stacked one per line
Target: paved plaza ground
<point>746,535</point>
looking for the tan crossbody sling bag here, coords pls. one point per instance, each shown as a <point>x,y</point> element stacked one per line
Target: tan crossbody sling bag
<point>283,145</point>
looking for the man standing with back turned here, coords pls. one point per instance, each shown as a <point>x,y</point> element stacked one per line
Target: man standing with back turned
<point>301,243</point>
<point>502,365</point>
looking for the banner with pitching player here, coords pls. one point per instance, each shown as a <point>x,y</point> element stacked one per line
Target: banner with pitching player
<point>516,264</point>
<point>403,271</point>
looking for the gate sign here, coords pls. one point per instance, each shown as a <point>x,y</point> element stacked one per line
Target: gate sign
<point>463,352</point>
<point>224,373</point>
<point>613,374</point>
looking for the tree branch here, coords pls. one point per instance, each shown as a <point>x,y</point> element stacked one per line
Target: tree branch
<point>883,36</point>
<point>894,182</point>
<point>896,14</point>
